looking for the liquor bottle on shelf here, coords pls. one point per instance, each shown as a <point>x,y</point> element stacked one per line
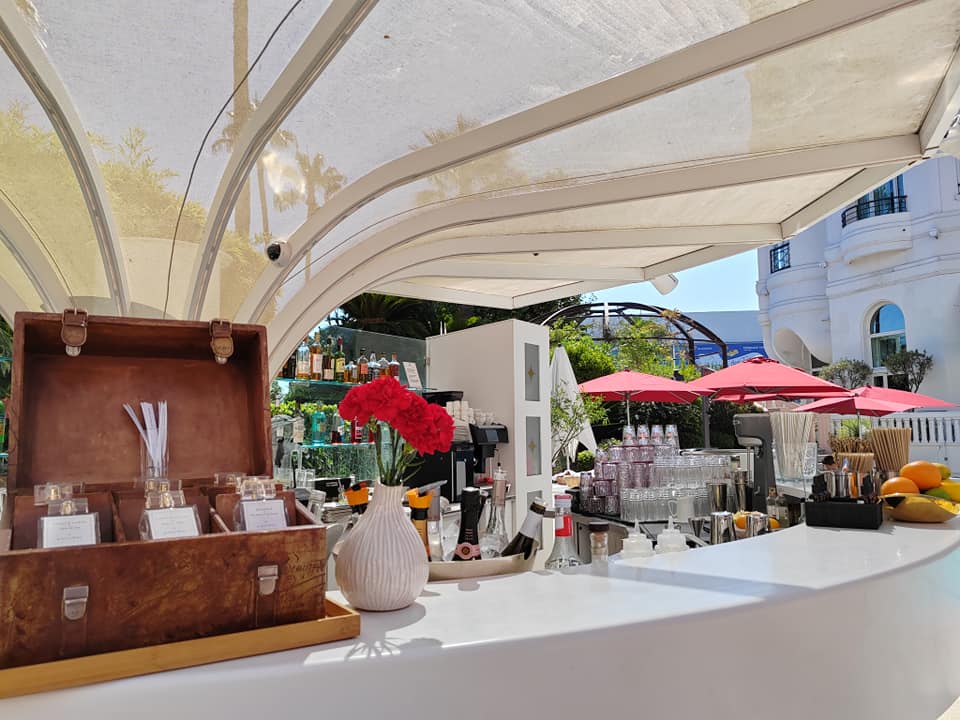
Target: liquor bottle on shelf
<point>339,362</point>
<point>328,361</point>
<point>350,373</point>
<point>468,542</point>
<point>384,365</point>
<point>564,553</point>
<point>303,361</point>
<point>525,541</point>
<point>356,432</point>
<point>394,366</point>
<point>494,538</point>
<point>319,433</point>
<point>363,368</point>
<point>373,366</point>
<point>290,369</point>
<point>316,358</point>
<point>336,428</point>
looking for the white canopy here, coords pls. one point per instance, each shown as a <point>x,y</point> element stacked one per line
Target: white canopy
<point>489,153</point>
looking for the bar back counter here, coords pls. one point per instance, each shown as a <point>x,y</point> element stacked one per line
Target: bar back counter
<point>805,623</point>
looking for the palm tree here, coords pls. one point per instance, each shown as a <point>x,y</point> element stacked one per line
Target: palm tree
<point>318,180</point>
<point>388,314</point>
<point>280,140</point>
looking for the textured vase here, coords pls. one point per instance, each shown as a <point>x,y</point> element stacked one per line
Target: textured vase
<point>382,564</point>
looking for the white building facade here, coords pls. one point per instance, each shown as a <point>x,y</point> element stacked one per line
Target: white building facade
<point>884,274</point>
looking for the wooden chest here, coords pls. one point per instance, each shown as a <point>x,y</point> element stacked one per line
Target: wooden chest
<point>67,423</point>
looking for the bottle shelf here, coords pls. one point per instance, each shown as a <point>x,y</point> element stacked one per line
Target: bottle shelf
<point>333,384</point>
<point>335,446</point>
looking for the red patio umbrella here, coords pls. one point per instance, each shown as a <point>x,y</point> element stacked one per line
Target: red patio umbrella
<point>763,376</point>
<point>641,387</point>
<point>914,400</point>
<point>854,405</point>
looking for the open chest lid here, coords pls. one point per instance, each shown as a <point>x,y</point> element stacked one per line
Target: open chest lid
<point>66,416</point>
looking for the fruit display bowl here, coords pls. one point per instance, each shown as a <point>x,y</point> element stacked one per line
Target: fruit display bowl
<point>909,507</point>
<point>455,570</point>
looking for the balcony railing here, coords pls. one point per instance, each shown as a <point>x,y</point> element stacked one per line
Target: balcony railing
<point>874,208</point>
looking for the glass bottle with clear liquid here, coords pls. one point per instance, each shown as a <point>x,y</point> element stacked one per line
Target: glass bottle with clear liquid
<point>494,538</point>
<point>564,553</point>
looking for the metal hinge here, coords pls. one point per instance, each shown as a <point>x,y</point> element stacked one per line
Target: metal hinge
<point>73,330</point>
<point>267,576</point>
<point>221,340</point>
<point>75,601</point>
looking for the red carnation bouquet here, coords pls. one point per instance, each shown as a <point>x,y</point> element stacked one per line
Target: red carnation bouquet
<point>416,427</point>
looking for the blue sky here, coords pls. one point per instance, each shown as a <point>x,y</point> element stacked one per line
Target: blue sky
<point>727,284</point>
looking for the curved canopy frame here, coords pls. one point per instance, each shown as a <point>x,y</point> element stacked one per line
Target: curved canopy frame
<point>706,59</point>
<point>27,55</point>
<point>435,250</point>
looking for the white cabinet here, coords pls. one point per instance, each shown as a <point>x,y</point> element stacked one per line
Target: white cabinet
<point>503,368</point>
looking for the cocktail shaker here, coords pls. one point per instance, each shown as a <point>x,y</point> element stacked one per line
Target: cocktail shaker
<point>718,496</point>
<point>757,523</point>
<point>743,490</point>
<point>721,528</point>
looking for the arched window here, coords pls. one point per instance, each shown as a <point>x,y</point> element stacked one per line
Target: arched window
<point>888,334</point>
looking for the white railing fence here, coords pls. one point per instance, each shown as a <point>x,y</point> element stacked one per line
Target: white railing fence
<point>935,436</point>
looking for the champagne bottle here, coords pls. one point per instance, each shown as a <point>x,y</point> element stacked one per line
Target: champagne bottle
<point>419,505</point>
<point>468,542</point>
<point>525,541</point>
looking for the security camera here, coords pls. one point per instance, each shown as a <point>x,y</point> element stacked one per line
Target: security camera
<point>279,252</point>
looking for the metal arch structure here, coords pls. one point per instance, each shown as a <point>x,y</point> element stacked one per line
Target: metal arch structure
<point>627,311</point>
<point>326,39</point>
<point>29,255</point>
<point>20,45</point>
<point>734,49</point>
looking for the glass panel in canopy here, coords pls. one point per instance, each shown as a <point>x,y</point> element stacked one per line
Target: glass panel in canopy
<point>147,81</point>
<point>38,182</point>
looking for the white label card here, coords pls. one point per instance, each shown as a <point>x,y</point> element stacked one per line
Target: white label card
<point>68,530</point>
<point>179,522</point>
<point>261,515</point>
<point>413,375</point>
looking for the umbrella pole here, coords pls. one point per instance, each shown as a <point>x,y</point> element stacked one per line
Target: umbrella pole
<point>705,420</point>
<point>628,411</point>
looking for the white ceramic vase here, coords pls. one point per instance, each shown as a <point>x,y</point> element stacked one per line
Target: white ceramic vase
<point>382,564</point>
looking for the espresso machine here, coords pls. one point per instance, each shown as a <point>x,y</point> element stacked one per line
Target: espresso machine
<point>754,431</point>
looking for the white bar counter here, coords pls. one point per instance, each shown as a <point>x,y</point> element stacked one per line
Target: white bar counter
<point>805,623</point>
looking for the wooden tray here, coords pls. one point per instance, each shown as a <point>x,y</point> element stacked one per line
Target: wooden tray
<point>440,571</point>
<point>340,623</point>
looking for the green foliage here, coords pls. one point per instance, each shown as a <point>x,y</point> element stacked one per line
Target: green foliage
<point>911,364</point>
<point>6,355</point>
<point>387,314</point>
<point>583,462</point>
<point>590,358</point>
<point>568,416</point>
<point>852,427</point>
<point>639,347</point>
<point>287,407</point>
<point>847,373</point>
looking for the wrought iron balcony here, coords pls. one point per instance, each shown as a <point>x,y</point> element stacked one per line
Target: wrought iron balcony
<point>873,208</point>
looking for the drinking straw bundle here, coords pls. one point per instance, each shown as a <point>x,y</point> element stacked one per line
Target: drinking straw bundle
<point>891,446</point>
<point>153,430</point>
<point>849,445</point>
<point>856,462</point>
<point>791,432</point>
